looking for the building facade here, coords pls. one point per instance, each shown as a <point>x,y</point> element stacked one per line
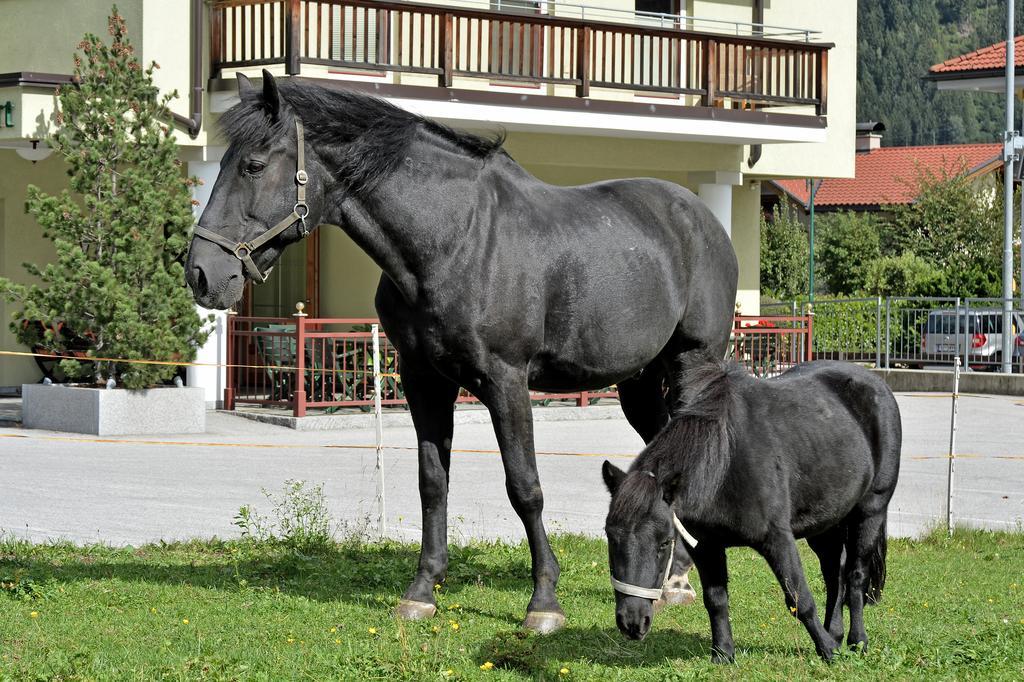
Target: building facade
<point>715,95</point>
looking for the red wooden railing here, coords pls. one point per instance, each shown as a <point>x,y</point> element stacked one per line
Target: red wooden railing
<point>335,368</point>
<point>769,345</point>
<point>448,42</point>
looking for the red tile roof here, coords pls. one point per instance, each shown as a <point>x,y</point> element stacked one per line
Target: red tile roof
<point>888,175</point>
<point>991,57</point>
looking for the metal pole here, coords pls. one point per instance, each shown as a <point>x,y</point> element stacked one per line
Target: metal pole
<point>878,331</point>
<point>952,446</point>
<point>888,305</point>
<point>812,190</point>
<point>1008,154</point>
<point>375,329</point>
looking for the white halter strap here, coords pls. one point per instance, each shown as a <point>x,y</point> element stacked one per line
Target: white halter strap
<point>654,593</point>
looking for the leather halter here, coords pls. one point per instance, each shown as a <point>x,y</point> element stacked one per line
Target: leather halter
<point>243,250</point>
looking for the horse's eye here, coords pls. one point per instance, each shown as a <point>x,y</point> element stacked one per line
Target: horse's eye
<point>664,545</point>
<point>254,167</point>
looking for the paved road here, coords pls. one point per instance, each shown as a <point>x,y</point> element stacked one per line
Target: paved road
<point>134,490</point>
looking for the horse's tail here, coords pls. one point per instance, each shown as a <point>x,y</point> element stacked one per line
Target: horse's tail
<point>876,568</point>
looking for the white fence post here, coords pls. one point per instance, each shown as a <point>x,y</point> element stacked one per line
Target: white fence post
<point>952,447</point>
<point>375,329</point>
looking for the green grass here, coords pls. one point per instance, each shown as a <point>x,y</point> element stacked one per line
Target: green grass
<point>953,609</point>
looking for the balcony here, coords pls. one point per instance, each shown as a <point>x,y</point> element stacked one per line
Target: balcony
<point>653,55</point>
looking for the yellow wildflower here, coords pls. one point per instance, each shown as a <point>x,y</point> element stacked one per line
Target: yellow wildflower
<point>34,614</point>
<point>152,609</point>
<point>334,629</point>
<point>184,621</point>
<point>455,626</point>
<point>563,671</point>
<point>291,640</point>
<point>372,631</point>
<point>337,640</point>
<point>487,666</point>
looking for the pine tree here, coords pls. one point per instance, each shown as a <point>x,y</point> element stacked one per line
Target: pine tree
<point>120,231</point>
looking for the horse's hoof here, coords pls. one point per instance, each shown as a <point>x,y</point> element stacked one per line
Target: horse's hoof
<point>544,622</point>
<point>408,609</point>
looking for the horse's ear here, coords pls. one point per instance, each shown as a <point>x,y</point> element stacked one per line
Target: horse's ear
<point>244,84</point>
<point>271,95</point>
<point>612,475</point>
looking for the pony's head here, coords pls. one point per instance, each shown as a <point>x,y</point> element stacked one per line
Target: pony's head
<point>640,534</point>
<point>270,177</point>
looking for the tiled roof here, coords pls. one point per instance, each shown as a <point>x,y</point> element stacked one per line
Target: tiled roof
<point>987,58</point>
<point>888,175</point>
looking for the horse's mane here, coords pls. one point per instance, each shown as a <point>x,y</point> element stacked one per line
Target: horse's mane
<point>364,137</point>
<point>691,455</point>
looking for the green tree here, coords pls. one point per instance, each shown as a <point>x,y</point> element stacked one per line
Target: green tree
<point>783,255</point>
<point>121,229</point>
<point>956,225</point>
<point>849,242</point>
<point>905,275</point>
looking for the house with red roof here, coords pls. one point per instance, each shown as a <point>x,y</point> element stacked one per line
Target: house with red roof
<point>885,176</point>
<point>983,70</point>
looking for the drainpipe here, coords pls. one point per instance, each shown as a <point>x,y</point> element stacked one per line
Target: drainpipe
<point>195,95</point>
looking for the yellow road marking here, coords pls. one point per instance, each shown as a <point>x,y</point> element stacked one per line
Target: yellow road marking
<point>295,446</point>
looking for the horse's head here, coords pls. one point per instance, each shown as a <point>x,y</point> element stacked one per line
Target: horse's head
<point>269,194</point>
<point>641,540</point>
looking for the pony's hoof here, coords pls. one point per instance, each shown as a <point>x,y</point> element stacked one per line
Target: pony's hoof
<point>544,622</point>
<point>408,609</point>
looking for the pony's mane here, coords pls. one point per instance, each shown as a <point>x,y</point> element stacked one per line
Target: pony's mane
<point>691,455</point>
<point>364,137</point>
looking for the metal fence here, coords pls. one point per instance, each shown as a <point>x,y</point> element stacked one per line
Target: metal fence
<point>335,368</point>
<point>913,332</point>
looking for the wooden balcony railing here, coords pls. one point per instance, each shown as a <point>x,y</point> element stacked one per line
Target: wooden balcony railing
<point>450,42</point>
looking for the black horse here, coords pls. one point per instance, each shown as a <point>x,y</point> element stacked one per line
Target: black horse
<point>492,280</point>
<point>814,453</point>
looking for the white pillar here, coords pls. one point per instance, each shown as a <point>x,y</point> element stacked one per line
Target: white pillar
<point>715,189</point>
<point>719,200</point>
<point>215,350</point>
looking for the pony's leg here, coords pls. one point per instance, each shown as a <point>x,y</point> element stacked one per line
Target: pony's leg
<point>781,553</point>
<point>860,545</point>
<point>432,402</point>
<point>507,397</point>
<point>829,548</point>
<point>714,580</point>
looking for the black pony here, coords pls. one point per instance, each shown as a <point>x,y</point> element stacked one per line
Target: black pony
<point>813,453</point>
<point>493,280</point>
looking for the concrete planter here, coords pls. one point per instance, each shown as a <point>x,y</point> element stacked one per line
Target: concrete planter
<point>113,412</point>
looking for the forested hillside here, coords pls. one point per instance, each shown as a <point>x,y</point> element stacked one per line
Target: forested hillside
<point>898,40</point>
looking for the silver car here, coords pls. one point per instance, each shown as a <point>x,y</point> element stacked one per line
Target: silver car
<point>946,333</point>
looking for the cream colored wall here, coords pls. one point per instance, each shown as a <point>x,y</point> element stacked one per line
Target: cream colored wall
<point>746,240</point>
<point>348,278</point>
<point>166,39</point>
<point>837,21</point>
<point>21,241</point>
<point>42,36</point>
